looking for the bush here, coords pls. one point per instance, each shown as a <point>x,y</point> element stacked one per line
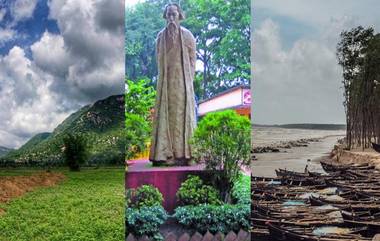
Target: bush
<point>144,196</point>
<point>139,100</point>
<point>74,150</point>
<point>194,192</point>
<point>224,218</point>
<point>222,141</point>
<point>145,221</point>
<point>241,192</point>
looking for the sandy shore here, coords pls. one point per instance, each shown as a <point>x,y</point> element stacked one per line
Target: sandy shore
<point>295,158</point>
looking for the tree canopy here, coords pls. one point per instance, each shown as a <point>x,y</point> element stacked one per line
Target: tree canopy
<point>358,53</point>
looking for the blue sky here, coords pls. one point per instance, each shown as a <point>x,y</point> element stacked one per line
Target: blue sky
<point>56,56</point>
<point>296,78</point>
<point>28,30</point>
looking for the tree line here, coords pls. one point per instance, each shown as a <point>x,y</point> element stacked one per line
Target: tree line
<point>358,52</point>
<point>222,32</point>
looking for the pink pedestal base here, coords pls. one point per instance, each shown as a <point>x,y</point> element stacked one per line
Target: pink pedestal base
<point>166,179</point>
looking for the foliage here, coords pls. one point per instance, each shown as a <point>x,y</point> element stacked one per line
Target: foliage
<point>74,150</point>
<point>241,191</point>
<point>222,32</point>
<point>358,53</point>
<point>222,141</point>
<point>139,101</point>
<point>87,205</point>
<point>142,24</point>
<point>145,221</point>
<point>144,196</point>
<point>224,218</point>
<point>194,192</point>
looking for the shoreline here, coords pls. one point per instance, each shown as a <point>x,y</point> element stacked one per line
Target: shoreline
<point>296,158</point>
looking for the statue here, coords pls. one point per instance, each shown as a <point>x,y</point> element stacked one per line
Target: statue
<point>174,117</point>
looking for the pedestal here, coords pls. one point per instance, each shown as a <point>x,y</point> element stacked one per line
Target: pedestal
<point>166,179</point>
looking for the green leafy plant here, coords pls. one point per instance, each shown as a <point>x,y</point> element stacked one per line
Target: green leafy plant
<point>222,141</point>
<point>144,196</point>
<point>74,150</point>
<point>194,192</point>
<point>145,221</point>
<point>139,101</point>
<point>224,218</point>
<point>241,192</point>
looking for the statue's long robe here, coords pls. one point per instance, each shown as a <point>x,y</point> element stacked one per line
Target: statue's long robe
<point>174,113</point>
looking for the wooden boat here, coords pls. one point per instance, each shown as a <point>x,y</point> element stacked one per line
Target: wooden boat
<point>364,216</point>
<point>329,167</point>
<point>376,147</point>
<point>294,233</point>
<point>356,206</point>
<point>300,182</point>
<point>286,173</point>
<point>372,226</point>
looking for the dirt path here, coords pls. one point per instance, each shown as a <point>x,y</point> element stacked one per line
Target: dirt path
<point>15,186</point>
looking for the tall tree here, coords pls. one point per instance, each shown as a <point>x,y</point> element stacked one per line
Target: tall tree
<point>142,24</point>
<point>358,53</point>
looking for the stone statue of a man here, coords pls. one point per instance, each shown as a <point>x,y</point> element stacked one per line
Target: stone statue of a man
<point>174,113</point>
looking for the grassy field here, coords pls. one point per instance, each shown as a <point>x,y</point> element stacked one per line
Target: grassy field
<point>88,205</point>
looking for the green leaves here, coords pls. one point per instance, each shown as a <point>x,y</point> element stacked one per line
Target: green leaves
<point>75,150</point>
<point>144,196</point>
<point>222,141</point>
<point>139,101</point>
<point>213,218</point>
<point>194,192</point>
<point>145,221</point>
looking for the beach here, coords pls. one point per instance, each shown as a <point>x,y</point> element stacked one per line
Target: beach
<point>316,145</point>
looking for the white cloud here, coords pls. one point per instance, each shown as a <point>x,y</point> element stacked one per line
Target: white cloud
<point>94,40</point>
<point>6,35</point>
<point>28,106</point>
<point>298,85</point>
<point>81,64</point>
<point>318,13</point>
<point>22,9</point>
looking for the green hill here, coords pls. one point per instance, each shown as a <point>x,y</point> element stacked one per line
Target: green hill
<point>34,141</point>
<point>102,123</point>
<point>4,151</point>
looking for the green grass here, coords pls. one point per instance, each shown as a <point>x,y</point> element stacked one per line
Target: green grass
<point>88,205</point>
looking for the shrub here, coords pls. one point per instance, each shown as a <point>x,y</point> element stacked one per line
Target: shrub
<point>213,218</point>
<point>194,192</point>
<point>139,100</point>
<point>145,221</point>
<point>241,192</point>
<point>74,150</point>
<point>222,141</point>
<point>144,196</point>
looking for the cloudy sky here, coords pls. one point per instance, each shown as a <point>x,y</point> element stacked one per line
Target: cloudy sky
<point>56,56</point>
<point>296,75</point>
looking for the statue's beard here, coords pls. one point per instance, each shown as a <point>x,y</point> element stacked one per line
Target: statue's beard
<point>172,30</point>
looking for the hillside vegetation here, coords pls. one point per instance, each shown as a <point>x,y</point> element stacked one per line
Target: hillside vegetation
<point>101,122</point>
<point>4,151</point>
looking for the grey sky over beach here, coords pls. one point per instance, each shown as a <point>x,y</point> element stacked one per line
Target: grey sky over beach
<point>56,56</point>
<point>296,78</point>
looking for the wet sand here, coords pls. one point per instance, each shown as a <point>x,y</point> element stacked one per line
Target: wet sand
<point>295,158</point>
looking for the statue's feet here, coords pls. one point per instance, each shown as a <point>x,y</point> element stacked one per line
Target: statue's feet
<point>171,162</point>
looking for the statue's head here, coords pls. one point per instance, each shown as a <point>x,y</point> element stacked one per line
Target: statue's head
<point>173,13</point>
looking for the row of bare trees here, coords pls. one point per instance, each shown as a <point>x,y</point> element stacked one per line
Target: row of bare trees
<point>358,53</point>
